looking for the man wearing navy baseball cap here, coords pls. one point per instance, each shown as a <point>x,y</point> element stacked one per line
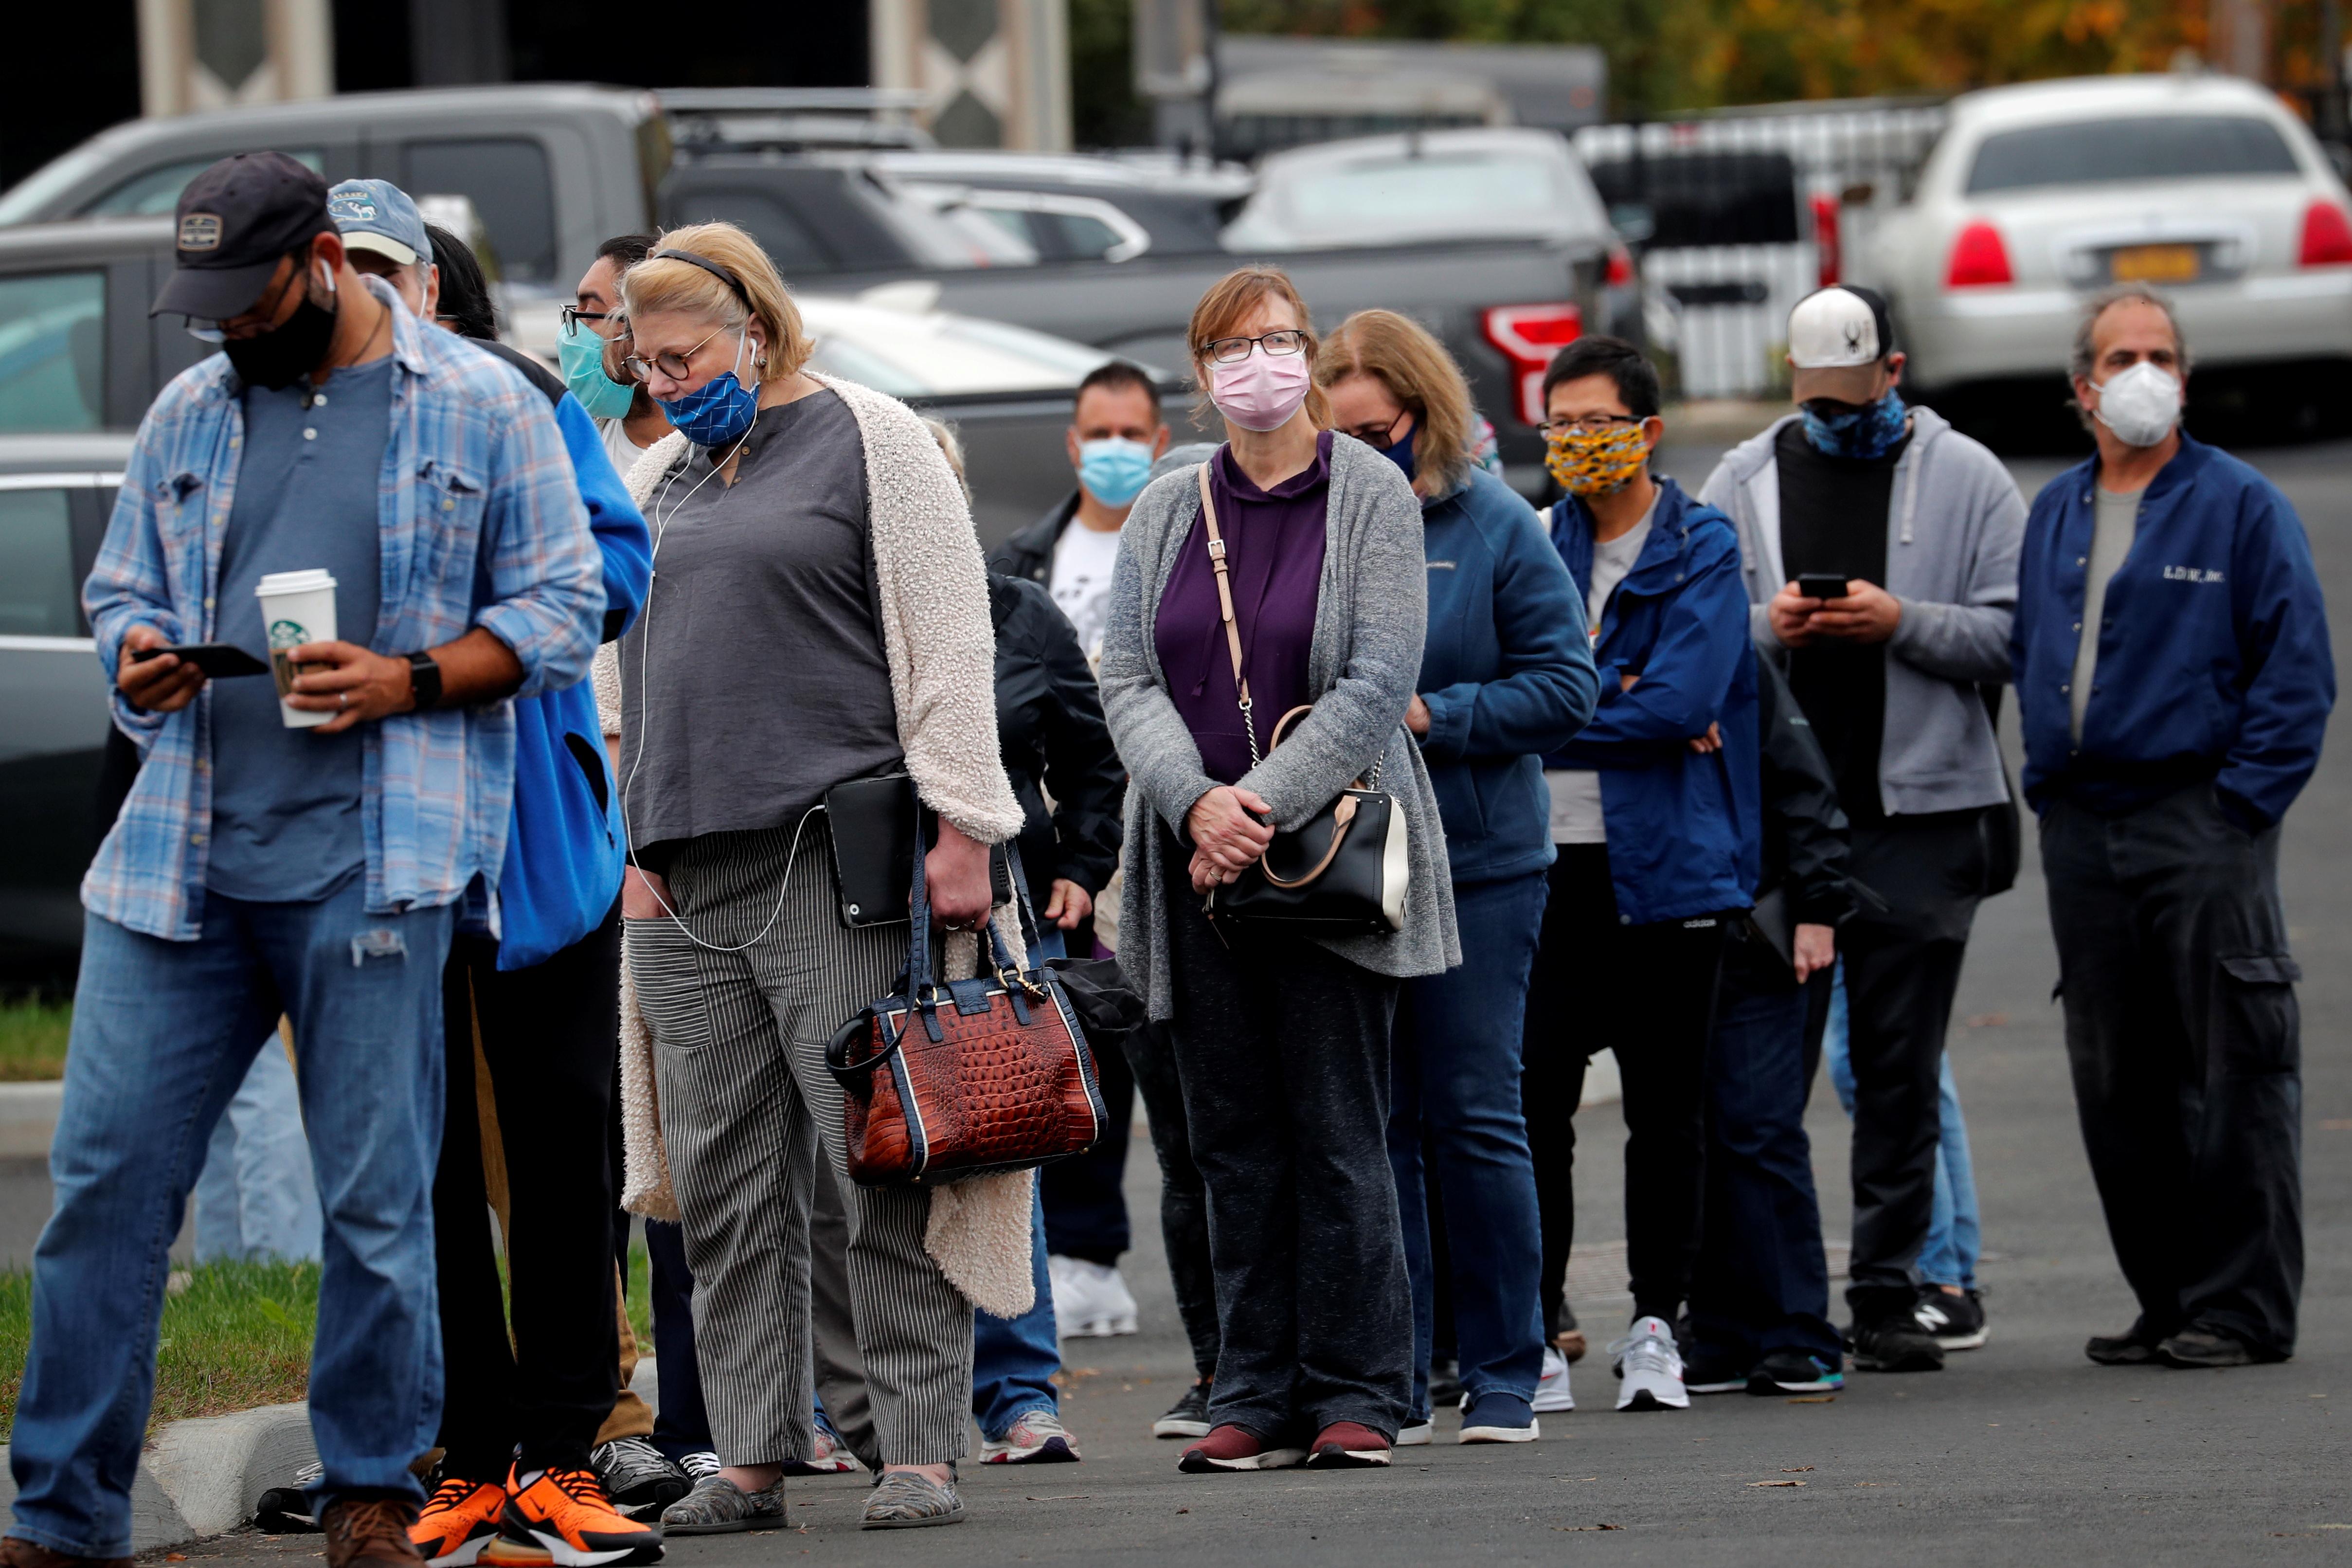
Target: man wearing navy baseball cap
<point>305,848</point>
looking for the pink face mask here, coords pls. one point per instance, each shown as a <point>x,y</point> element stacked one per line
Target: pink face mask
<point>1262,392</point>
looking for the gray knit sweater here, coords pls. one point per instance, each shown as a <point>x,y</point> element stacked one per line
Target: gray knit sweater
<point>1371,618</point>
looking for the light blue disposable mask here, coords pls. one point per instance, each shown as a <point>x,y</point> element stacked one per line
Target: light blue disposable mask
<point>582,353</point>
<point>1114,470</point>
<point>719,411</point>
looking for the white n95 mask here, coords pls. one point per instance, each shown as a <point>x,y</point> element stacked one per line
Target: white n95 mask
<point>2140,404</point>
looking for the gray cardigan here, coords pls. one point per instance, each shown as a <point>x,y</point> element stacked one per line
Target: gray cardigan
<point>1953,526</point>
<point>1370,617</point>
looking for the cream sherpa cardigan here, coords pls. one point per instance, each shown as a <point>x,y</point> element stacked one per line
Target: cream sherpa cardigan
<point>941,650</point>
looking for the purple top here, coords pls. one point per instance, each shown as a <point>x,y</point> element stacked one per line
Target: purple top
<point>1274,555</point>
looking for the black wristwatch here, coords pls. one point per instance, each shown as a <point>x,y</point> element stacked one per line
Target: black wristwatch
<point>423,682</point>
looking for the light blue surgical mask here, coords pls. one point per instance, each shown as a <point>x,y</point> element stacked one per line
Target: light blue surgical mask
<point>1114,470</point>
<point>720,410</point>
<point>582,353</point>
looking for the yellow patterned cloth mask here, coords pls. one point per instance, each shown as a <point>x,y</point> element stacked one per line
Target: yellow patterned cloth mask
<point>1596,462</point>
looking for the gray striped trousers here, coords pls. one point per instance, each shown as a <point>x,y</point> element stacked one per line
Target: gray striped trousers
<point>746,1105</point>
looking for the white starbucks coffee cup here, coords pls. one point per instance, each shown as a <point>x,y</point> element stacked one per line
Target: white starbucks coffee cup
<point>296,607</point>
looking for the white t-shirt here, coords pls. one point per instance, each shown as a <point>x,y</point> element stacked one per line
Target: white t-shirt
<point>624,452</point>
<point>1083,559</point>
<point>1575,791</point>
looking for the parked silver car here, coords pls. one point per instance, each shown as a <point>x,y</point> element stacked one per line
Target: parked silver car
<point>2038,195</point>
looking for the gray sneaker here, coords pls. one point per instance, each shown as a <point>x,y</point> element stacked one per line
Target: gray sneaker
<point>717,1506</point>
<point>903,1500</point>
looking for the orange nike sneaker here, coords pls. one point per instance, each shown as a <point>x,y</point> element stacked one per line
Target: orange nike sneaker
<point>459,1519</point>
<point>567,1512</point>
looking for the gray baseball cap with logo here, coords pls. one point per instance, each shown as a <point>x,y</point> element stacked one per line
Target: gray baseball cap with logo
<point>378,216</point>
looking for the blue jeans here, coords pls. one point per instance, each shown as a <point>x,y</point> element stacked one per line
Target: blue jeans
<point>1949,1254</point>
<point>1454,1084</point>
<point>256,1197</point>
<point>1761,1284</point>
<point>164,1033</point>
<point>1014,1360</point>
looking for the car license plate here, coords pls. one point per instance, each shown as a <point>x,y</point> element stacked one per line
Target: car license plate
<point>2155,264</point>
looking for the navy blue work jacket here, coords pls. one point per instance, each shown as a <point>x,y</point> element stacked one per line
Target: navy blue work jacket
<point>1685,830</point>
<point>1506,673</point>
<point>2213,650</point>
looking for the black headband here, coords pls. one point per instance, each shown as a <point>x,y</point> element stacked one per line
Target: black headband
<point>721,273</point>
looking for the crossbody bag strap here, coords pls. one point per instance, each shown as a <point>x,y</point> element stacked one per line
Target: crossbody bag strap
<point>1225,609</point>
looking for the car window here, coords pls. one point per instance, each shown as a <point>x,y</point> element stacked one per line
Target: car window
<point>1430,189</point>
<point>2140,147</point>
<point>1703,198</point>
<point>1082,236</point>
<point>507,179</point>
<point>37,566</point>
<point>154,191</point>
<point>52,351</point>
<point>789,241</point>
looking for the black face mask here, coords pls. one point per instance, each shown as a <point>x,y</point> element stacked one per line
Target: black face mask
<point>279,357</point>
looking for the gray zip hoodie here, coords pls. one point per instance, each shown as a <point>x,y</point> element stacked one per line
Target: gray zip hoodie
<point>1953,526</point>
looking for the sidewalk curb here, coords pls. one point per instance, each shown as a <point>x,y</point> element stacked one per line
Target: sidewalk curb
<point>200,1478</point>
<point>28,1118</point>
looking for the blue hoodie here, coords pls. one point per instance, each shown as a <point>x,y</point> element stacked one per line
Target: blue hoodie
<point>1685,830</point>
<point>2213,652</point>
<point>564,845</point>
<point>1506,673</point>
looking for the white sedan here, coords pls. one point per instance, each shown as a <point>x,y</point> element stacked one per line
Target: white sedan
<point>2037,195</point>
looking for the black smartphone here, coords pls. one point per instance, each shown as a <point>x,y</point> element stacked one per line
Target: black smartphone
<point>217,659</point>
<point>1821,584</point>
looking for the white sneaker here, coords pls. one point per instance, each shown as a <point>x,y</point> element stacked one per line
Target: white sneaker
<point>1090,1300</point>
<point>1651,1368</point>
<point>1416,1434</point>
<point>1553,1392</point>
<point>1037,1438</point>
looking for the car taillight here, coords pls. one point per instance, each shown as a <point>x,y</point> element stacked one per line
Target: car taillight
<point>1979,258</point>
<point>2326,237</point>
<point>1825,239</point>
<point>1528,336</point>
<point>1621,266</point>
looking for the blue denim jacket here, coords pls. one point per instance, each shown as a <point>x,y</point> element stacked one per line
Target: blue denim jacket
<point>480,524</point>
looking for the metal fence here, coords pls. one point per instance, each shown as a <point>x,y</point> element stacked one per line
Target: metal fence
<point>1737,214</point>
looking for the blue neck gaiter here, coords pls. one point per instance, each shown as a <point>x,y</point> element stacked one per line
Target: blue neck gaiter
<point>1864,433</point>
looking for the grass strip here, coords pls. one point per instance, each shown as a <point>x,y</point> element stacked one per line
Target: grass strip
<point>33,1038</point>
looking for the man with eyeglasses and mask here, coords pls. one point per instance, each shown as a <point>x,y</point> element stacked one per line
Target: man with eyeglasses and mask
<point>320,870</point>
<point>2174,679</point>
<point>594,333</point>
<point>1879,547</point>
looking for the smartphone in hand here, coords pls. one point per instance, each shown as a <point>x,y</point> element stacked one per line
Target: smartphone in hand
<point>1822,584</point>
<point>217,659</point>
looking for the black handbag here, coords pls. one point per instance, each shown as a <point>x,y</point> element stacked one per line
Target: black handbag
<point>1344,871</point>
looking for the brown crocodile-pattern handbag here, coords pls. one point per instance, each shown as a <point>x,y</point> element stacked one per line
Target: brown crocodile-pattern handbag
<point>964,1078</point>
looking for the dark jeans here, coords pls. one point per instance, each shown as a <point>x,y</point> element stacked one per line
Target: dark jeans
<point>1455,1081</point>
<point>547,1036</point>
<point>2185,1039</point>
<point>1183,1200</point>
<point>1282,1047</point>
<point>680,1425</point>
<point>1762,1283</point>
<point>1647,991</point>
<point>1085,1198</point>
<point>1902,968</point>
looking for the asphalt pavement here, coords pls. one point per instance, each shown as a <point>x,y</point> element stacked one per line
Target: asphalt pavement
<point>2021,1452</point>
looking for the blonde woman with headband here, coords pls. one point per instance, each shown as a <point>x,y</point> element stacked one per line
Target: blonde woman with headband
<point>819,614</point>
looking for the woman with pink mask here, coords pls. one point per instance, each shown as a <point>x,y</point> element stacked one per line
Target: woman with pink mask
<point>1281,1038</point>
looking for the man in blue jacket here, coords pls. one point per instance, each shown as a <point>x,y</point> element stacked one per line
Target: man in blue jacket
<point>2174,679</point>
<point>1655,813</point>
<point>1507,675</point>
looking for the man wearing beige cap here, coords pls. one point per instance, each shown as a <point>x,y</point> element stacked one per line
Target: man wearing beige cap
<point>1880,548</point>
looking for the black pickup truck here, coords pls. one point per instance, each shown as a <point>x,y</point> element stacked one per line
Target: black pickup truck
<point>554,168</point>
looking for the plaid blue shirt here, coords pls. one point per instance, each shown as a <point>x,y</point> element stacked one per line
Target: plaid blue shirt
<point>480,524</point>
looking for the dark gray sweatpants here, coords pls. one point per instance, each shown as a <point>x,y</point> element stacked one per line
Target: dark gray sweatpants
<point>2183,1033</point>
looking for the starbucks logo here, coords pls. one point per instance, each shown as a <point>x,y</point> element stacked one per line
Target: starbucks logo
<point>287,634</point>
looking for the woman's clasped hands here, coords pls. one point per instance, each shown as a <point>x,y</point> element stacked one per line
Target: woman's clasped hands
<point>1227,838</point>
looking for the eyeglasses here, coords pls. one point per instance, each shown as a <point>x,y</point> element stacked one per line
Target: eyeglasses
<point>574,315</point>
<point>676,366</point>
<point>1379,437</point>
<point>216,331</point>
<point>1586,424</point>
<point>1233,351</point>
